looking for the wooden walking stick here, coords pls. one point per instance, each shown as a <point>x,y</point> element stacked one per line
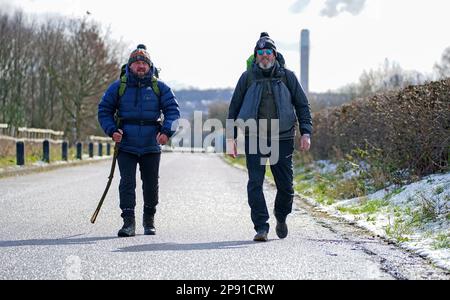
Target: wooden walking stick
<point>111,175</point>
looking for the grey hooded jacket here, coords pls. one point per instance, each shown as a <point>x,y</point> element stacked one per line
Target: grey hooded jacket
<point>292,103</point>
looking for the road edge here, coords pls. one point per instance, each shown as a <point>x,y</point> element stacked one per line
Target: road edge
<point>27,170</point>
<point>313,207</point>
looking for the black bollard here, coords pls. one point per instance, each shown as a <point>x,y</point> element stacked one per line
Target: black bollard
<point>108,149</point>
<point>91,150</point>
<point>46,151</point>
<point>79,151</point>
<point>64,149</point>
<point>100,149</point>
<point>20,153</point>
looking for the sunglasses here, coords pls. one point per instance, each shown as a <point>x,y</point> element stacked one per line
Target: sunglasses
<point>267,51</point>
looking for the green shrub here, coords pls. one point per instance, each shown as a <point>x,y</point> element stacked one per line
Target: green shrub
<point>402,130</point>
<point>398,230</point>
<point>442,241</point>
<point>368,207</point>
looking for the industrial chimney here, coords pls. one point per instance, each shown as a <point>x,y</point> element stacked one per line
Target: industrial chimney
<point>304,60</point>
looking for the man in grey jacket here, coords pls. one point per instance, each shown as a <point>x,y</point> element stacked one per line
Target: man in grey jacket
<point>272,96</point>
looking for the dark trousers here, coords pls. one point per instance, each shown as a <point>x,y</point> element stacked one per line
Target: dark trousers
<point>149,168</point>
<point>283,174</point>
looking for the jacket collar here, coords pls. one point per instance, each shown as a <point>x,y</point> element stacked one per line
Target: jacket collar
<point>277,71</point>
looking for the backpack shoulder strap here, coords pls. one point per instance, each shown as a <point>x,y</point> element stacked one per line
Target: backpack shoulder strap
<point>156,90</point>
<point>155,86</point>
<point>123,85</point>
<point>250,78</point>
<point>120,92</point>
<point>286,81</point>
<point>123,81</point>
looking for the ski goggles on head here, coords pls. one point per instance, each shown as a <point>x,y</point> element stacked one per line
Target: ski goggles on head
<point>266,51</point>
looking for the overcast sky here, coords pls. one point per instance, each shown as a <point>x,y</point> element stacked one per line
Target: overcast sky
<point>205,43</point>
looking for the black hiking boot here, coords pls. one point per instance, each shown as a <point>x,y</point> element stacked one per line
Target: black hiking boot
<point>149,224</point>
<point>129,227</point>
<point>281,229</point>
<point>261,236</point>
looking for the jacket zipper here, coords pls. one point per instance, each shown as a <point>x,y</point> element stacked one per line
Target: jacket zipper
<point>136,94</point>
<point>140,113</point>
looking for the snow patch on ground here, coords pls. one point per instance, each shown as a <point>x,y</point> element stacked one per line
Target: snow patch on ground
<point>325,166</point>
<point>417,216</point>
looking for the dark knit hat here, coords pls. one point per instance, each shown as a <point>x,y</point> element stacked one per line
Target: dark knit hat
<point>265,42</point>
<point>140,54</point>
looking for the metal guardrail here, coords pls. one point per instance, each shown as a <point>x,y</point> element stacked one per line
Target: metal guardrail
<point>30,134</point>
<point>47,136</point>
<point>23,135</point>
<point>36,133</point>
<point>99,138</point>
<point>3,129</point>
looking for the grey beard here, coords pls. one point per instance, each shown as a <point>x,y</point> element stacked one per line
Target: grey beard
<point>266,67</point>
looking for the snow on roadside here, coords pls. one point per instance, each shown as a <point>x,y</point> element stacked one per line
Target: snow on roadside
<point>325,166</point>
<point>417,216</point>
<point>393,204</point>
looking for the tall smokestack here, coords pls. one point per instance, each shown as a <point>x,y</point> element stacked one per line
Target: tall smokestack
<point>304,60</point>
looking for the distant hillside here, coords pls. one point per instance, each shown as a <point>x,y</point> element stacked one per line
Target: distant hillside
<point>198,100</point>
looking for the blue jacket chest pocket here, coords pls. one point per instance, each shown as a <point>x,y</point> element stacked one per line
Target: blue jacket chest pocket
<point>149,100</point>
<point>127,100</point>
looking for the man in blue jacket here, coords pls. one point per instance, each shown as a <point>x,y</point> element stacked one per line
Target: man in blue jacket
<point>140,133</point>
<point>269,92</point>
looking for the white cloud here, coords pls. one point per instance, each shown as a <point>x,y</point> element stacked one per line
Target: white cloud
<point>335,7</point>
<point>332,8</point>
<point>299,6</point>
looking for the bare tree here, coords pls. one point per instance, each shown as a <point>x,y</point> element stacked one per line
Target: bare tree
<point>85,75</point>
<point>54,71</point>
<point>22,65</point>
<point>45,107</point>
<point>389,76</point>
<point>6,33</point>
<point>443,68</point>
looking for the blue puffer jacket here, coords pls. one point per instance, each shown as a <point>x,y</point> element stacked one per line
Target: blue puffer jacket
<point>139,103</point>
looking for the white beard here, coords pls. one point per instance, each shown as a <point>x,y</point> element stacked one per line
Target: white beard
<point>266,67</point>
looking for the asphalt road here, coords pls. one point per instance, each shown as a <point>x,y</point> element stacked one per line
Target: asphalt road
<point>203,225</point>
